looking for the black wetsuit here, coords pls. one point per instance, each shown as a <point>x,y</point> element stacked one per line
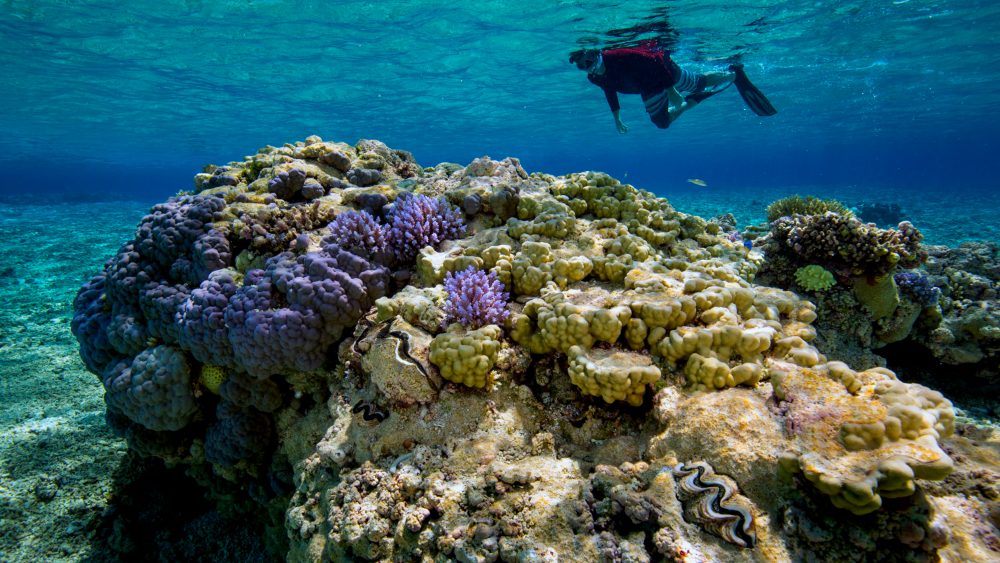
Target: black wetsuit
<point>647,71</point>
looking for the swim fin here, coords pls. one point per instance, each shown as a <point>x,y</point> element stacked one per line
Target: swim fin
<point>754,98</point>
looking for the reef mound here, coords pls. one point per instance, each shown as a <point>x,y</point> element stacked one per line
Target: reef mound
<point>292,332</point>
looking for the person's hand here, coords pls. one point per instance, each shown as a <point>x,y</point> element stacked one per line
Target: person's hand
<point>622,128</point>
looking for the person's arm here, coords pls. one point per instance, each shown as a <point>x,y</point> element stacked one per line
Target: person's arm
<point>619,124</point>
<point>616,109</point>
<point>611,95</point>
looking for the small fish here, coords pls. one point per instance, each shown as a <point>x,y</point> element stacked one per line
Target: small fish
<point>748,243</point>
<point>698,182</point>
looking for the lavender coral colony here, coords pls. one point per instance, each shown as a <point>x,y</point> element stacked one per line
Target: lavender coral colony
<point>475,298</point>
<point>418,221</point>
<point>226,282</point>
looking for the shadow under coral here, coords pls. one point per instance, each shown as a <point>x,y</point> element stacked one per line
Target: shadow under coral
<point>159,513</point>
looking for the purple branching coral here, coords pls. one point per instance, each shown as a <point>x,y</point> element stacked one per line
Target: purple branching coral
<point>359,233</point>
<point>919,287</point>
<point>417,221</point>
<point>475,298</point>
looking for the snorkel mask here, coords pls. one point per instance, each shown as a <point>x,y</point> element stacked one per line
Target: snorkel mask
<point>588,60</point>
<point>596,64</point>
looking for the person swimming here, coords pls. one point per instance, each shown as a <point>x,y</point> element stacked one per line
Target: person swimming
<point>648,70</point>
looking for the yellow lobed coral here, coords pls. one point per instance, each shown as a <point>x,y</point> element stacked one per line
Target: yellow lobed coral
<point>531,268</point>
<point>558,321</point>
<point>541,214</point>
<point>421,307</point>
<point>706,373</point>
<point>466,357</point>
<point>861,436</point>
<point>432,265</point>
<point>613,375</point>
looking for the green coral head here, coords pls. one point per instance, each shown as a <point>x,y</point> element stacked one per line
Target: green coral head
<point>808,205</point>
<point>212,377</point>
<point>815,278</point>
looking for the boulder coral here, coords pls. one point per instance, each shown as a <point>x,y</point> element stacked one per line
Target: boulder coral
<point>295,344</point>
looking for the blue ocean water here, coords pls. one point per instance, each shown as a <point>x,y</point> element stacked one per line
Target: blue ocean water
<point>107,97</point>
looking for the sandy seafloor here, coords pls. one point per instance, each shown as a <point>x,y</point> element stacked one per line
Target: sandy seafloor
<point>57,457</point>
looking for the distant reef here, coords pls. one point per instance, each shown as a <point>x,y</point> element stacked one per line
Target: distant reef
<point>367,359</point>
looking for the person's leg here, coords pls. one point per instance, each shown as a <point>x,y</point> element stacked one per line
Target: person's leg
<point>713,79</point>
<point>676,100</point>
<point>658,107</point>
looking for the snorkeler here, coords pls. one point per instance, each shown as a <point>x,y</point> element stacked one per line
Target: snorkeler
<point>648,70</point>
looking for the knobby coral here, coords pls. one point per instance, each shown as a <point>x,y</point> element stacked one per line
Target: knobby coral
<point>847,246</point>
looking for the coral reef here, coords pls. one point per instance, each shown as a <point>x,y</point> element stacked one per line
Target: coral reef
<point>964,282</point>
<point>296,355</point>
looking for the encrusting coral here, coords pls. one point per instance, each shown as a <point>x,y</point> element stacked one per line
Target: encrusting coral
<point>861,436</point>
<point>522,430</point>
